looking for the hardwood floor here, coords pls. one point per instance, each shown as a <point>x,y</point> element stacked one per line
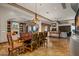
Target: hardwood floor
<point>56,47</point>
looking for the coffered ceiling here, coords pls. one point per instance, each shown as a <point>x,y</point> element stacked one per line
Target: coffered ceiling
<point>52,11</point>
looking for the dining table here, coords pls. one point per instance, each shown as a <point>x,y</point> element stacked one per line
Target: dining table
<point>27,37</point>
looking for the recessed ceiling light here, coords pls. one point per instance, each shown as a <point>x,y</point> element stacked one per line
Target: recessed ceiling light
<point>47,12</point>
<point>12,13</point>
<point>40,4</point>
<point>55,8</point>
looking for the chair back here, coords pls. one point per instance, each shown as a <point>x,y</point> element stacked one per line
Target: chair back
<point>45,34</point>
<point>34,36</point>
<point>9,38</point>
<point>41,35</point>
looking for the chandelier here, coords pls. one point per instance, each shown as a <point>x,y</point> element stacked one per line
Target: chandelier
<point>35,19</point>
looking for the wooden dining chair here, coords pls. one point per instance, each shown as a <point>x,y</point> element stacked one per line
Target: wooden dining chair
<point>45,39</point>
<point>34,41</point>
<point>45,33</point>
<point>41,38</point>
<point>37,39</point>
<point>32,44</point>
<point>13,49</point>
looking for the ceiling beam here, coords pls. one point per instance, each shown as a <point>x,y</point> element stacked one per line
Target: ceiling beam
<point>27,10</point>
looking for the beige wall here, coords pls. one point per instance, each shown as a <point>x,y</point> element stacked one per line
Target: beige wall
<point>5,15</point>
<point>43,26</point>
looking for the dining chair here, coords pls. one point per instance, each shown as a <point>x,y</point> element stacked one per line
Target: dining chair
<point>31,44</point>
<point>41,38</point>
<point>45,38</point>
<point>13,49</point>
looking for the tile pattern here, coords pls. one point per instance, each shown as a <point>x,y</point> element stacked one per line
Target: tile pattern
<point>56,47</point>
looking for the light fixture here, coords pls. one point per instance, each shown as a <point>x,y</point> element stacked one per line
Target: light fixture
<point>35,19</point>
<point>40,4</point>
<point>47,12</point>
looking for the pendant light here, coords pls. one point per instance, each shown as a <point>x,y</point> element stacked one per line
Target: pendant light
<point>35,19</point>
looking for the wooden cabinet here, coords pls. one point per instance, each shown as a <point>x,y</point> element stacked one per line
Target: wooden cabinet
<point>54,27</point>
<point>22,27</point>
<point>64,28</point>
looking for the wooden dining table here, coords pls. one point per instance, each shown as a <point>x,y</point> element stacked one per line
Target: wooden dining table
<point>26,37</point>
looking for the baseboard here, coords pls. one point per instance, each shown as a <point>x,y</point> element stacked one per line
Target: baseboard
<point>54,36</point>
<point>3,42</point>
<point>6,42</point>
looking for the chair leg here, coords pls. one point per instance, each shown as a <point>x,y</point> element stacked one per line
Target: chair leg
<point>46,43</point>
<point>10,52</point>
<point>31,48</point>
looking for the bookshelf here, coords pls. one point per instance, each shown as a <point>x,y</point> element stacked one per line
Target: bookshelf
<point>8,26</point>
<point>22,27</point>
